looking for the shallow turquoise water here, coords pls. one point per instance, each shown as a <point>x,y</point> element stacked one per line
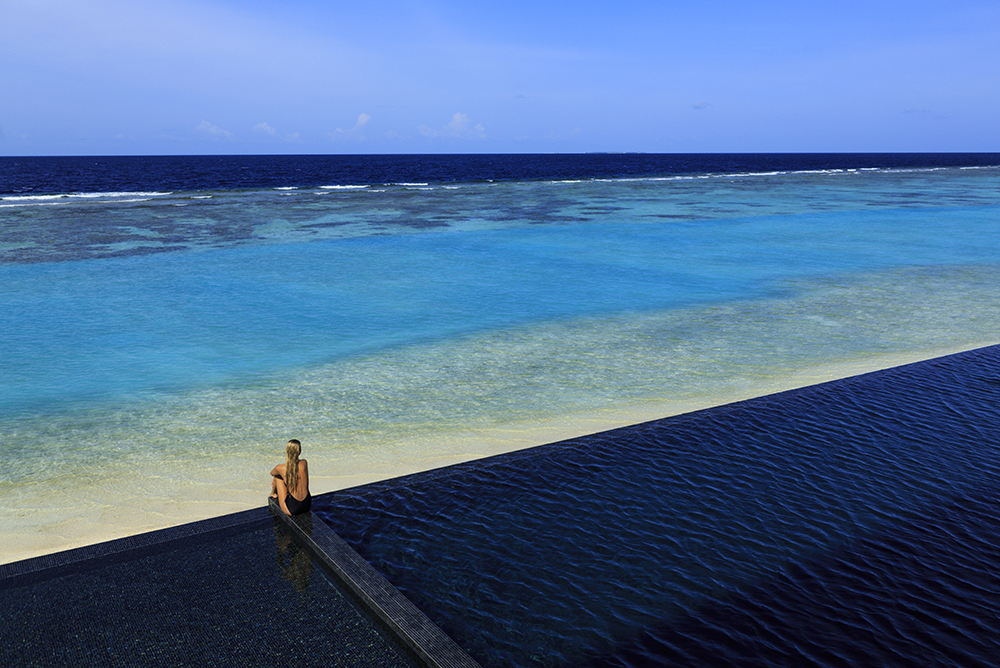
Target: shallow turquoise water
<point>112,327</point>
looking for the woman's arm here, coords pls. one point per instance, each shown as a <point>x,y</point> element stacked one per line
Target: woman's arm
<point>279,471</point>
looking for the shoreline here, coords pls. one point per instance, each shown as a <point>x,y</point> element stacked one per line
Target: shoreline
<point>78,528</point>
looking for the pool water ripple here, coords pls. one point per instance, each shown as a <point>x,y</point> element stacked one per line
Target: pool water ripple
<point>847,524</point>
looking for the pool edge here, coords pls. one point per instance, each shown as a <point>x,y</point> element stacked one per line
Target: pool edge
<point>413,628</point>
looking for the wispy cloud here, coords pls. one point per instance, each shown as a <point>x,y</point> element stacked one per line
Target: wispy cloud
<point>460,126</point>
<point>355,132</point>
<point>214,130</point>
<point>264,129</point>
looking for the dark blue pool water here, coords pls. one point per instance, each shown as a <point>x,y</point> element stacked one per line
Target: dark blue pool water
<point>853,523</point>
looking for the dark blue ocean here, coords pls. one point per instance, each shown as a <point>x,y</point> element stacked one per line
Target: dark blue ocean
<point>55,175</point>
<point>400,313</point>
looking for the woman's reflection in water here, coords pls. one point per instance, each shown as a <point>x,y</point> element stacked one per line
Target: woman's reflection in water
<point>295,562</point>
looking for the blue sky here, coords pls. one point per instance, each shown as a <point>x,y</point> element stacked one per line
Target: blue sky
<point>87,77</point>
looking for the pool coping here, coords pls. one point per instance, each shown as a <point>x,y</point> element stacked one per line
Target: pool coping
<point>411,627</point>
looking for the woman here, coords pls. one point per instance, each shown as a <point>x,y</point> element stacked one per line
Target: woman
<point>290,481</point>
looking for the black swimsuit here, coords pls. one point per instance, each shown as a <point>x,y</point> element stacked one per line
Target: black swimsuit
<point>296,507</point>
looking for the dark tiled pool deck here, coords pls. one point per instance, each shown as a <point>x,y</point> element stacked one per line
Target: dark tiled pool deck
<point>248,589</point>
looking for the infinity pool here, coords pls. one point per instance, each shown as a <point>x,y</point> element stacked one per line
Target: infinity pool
<point>853,523</point>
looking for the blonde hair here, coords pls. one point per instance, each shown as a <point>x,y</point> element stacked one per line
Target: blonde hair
<point>292,452</point>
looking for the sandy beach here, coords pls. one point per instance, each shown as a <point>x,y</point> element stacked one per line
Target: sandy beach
<point>161,499</point>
